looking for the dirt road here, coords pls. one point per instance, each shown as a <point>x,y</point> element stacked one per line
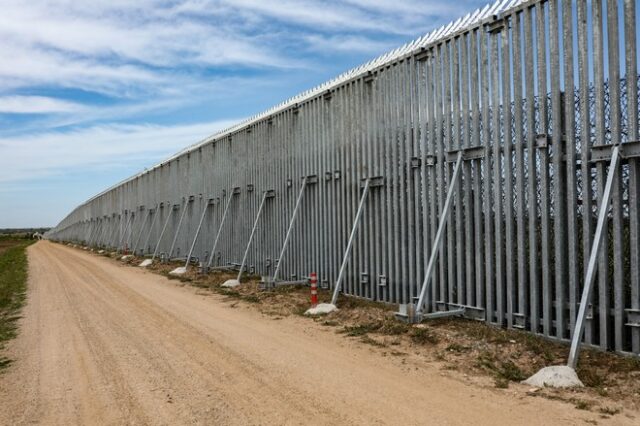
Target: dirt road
<point>105,344</point>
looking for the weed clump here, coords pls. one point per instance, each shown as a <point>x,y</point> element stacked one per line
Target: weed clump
<point>422,336</point>
<point>360,329</point>
<point>504,370</point>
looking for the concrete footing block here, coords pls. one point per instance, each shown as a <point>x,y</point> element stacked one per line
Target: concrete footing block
<point>231,283</point>
<point>321,309</point>
<point>126,257</point>
<point>179,271</point>
<point>558,376</point>
<point>145,263</point>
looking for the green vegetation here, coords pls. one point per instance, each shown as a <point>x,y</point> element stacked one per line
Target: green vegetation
<point>13,285</point>
<point>423,336</point>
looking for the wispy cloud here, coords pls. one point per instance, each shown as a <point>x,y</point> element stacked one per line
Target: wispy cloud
<point>37,105</point>
<point>88,85</point>
<point>106,146</point>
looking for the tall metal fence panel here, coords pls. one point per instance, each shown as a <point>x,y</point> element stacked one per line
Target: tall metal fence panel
<point>530,95</point>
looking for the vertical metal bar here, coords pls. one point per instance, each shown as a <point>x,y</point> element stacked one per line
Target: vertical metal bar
<point>175,237</point>
<point>291,223</point>
<point>507,147</point>
<point>164,227</point>
<point>429,202</point>
<point>468,215</point>
<point>391,178</point>
<point>478,252</point>
<point>559,175</point>
<point>532,178</point>
<point>541,48</point>
<point>396,281</point>
<point>451,281</point>
<point>153,222</point>
<point>488,202</point>
<point>224,216</point>
<point>415,124</point>
<point>592,265</point>
<point>569,132</point>
<point>124,233</point>
<point>435,247</point>
<point>135,245</point>
<point>253,231</point>
<point>497,176</point>
<point>356,223</point>
<point>603,267</point>
<point>439,179</point>
<point>585,143</point>
<point>195,237</point>
<point>631,79</point>
<point>456,141</point>
<point>615,133</point>
<point>521,202</point>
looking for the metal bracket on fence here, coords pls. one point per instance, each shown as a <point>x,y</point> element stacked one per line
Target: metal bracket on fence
<point>175,236</point>
<point>367,183</point>
<point>519,321</point>
<point>458,312</point>
<point>593,257</point>
<point>234,191</point>
<point>369,77</point>
<point>543,141</point>
<point>266,194</point>
<point>382,280</point>
<point>423,54</point>
<point>497,25</point>
<point>471,153</point>
<point>633,318</point>
<point>306,180</point>
<point>418,310</point>
<point>628,150</point>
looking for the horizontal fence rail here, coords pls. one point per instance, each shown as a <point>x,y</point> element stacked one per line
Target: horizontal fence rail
<point>531,95</point>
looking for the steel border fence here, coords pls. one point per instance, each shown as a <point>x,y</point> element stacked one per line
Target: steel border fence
<point>533,93</point>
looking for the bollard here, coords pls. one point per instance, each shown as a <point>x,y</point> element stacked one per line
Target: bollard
<point>314,289</point>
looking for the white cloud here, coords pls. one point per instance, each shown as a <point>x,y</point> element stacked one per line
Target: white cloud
<point>108,146</point>
<point>37,105</point>
<point>346,43</point>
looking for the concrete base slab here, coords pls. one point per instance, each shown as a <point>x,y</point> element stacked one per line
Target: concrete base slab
<point>557,376</point>
<point>231,283</point>
<point>145,263</point>
<point>100,251</point>
<point>126,257</point>
<point>321,309</point>
<point>179,271</point>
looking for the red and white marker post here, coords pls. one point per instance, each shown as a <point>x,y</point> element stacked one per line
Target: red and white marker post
<point>314,289</point>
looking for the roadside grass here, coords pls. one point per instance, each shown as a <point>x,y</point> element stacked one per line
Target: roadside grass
<point>13,286</point>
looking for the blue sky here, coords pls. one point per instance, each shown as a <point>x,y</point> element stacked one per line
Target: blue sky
<point>92,92</point>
